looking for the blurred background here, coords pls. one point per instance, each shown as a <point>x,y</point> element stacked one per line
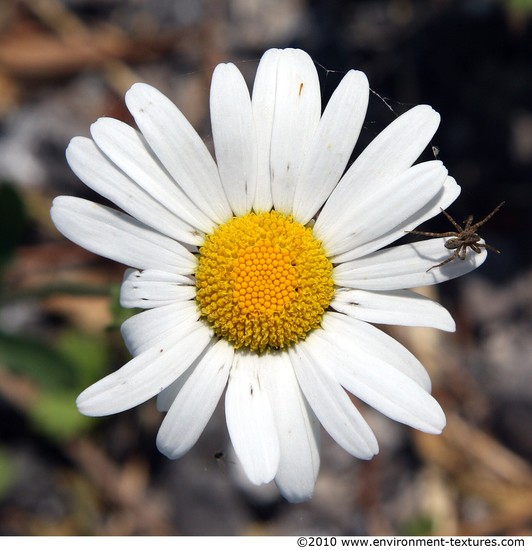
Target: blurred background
<point>63,64</point>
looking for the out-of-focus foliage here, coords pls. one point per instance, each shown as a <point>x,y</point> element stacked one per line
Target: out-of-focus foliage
<point>7,472</point>
<point>519,7</point>
<point>84,357</point>
<point>60,371</point>
<point>38,361</point>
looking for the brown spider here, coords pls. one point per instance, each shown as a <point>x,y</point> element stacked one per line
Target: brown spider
<point>462,237</point>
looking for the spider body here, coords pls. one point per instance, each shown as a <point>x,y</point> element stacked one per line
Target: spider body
<point>463,238</point>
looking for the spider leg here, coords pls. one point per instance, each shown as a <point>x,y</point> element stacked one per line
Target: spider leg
<point>489,247</point>
<point>449,259</point>
<point>462,251</point>
<point>429,234</point>
<point>448,216</point>
<point>482,222</point>
<point>467,222</point>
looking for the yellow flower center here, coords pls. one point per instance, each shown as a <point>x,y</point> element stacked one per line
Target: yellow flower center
<point>263,281</point>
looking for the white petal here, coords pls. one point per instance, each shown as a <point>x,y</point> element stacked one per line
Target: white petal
<point>195,403</point>
<point>129,151</point>
<point>405,266</point>
<point>391,393</point>
<point>101,175</point>
<point>250,420</point>
<point>144,330</point>
<point>296,116</point>
<point>388,206</point>
<point>235,142</point>
<point>380,384</point>
<point>446,196</point>
<point>369,340</point>
<point>297,427</point>
<point>449,193</point>
<point>144,376</point>
<point>179,148</point>
<point>330,402</point>
<point>392,152</point>
<point>263,104</point>
<point>393,307</point>
<point>152,288</point>
<point>118,236</point>
<point>332,145</point>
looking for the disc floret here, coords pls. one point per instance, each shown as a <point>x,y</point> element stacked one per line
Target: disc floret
<point>263,281</point>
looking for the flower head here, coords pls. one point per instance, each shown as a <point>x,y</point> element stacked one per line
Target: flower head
<point>260,273</point>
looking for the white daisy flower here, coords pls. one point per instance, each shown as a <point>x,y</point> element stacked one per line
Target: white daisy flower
<point>261,272</point>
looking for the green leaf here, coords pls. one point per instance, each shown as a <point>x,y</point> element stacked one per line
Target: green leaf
<point>76,361</point>
<point>88,356</point>
<point>55,415</point>
<point>37,361</point>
